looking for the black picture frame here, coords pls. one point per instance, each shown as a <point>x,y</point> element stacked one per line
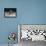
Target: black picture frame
<point>8,11</point>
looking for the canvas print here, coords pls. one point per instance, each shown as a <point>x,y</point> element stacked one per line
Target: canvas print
<point>33,32</point>
<point>10,12</point>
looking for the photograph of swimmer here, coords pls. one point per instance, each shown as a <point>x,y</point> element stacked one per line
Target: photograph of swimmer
<point>10,12</point>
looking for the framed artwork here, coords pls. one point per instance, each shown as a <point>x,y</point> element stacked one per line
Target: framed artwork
<point>33,32</point>
<point>10,12</point>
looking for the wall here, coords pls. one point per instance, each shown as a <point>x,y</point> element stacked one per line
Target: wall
<point>28,12</point>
